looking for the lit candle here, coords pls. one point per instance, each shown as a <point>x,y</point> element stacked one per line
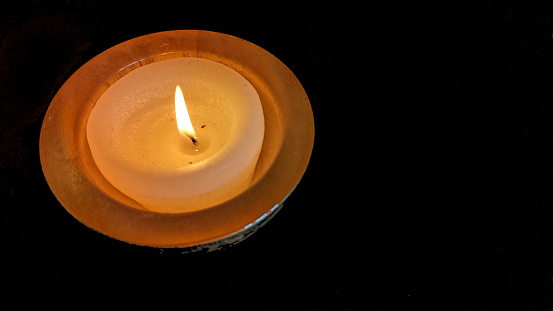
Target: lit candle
<point>148,183</point>
<point>174,152</point>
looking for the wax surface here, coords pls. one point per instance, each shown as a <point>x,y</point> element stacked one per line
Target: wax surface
<point>135,142</point>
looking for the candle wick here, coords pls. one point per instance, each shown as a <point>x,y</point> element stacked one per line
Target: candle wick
<point>192,138</point>
<point>195,143</point>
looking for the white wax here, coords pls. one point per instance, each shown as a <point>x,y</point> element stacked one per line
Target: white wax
<point>135,142</point>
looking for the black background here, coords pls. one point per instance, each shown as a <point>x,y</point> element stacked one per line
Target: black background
<point>430,185</point>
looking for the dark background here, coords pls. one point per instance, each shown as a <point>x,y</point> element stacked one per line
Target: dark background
<point>430,184</point>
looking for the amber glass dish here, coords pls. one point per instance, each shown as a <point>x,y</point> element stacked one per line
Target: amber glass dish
<point>80,187</point>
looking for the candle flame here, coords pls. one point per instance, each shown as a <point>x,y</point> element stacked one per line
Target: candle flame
<point>183,118</point>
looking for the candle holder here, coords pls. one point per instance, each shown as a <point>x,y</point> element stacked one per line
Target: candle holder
<point>84,192</point>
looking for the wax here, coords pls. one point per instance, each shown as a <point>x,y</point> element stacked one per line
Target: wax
<point>135,143</point>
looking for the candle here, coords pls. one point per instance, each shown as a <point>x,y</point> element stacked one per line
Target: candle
<point>178,163</point>
<point>74,122</point>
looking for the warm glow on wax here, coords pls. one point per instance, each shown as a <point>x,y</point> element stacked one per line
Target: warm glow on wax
<point>183,118</point>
